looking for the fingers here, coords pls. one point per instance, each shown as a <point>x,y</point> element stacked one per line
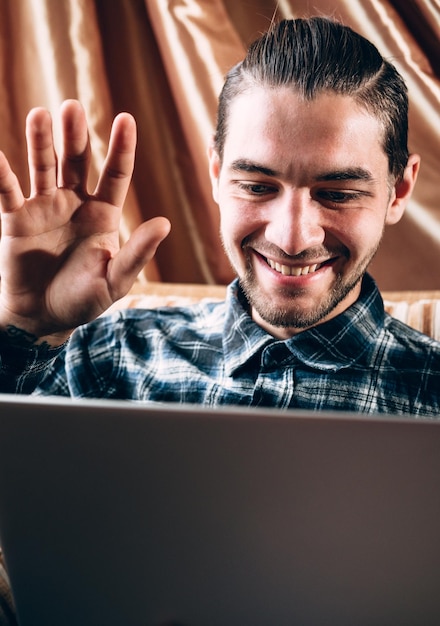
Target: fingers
<point>42,156</point>
<point>41,152</point>
<point>133,256</point>
<point>11,196</point>
<point>42,162</point>
<point>76,146</point>
<point>116,174</point>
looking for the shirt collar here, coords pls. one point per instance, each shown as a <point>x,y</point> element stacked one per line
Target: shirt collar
<point>330,346</point>
<point>243,339</point>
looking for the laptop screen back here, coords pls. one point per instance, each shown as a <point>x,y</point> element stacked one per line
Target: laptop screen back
<point>113,513</point>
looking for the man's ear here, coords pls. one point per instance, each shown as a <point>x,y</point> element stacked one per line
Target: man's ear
<point>403,189</point>
<point>214,169</point>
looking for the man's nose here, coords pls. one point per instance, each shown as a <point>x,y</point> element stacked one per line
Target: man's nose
<point>294,222</point>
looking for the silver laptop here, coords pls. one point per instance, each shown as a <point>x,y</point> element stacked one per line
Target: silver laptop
<point>119,514</point>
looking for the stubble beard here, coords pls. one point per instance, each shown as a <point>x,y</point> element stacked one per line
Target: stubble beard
<point>294,315</point>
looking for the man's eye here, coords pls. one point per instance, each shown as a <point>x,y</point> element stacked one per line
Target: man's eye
<point>256,189</point>
<point>338,197</point>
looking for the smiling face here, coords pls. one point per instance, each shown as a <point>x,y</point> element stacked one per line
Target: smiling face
<point>304,193</point>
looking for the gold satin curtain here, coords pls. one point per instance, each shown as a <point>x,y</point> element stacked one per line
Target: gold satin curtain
<point>164,61</point>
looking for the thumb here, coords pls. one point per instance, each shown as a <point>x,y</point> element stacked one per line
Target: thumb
<point>124,267</point>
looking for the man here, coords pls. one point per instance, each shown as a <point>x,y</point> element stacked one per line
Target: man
<point>309,163</point>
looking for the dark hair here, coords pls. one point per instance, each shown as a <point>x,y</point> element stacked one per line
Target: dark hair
<point>316,55</point>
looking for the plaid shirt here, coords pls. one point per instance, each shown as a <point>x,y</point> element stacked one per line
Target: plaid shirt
<point>213,353</point>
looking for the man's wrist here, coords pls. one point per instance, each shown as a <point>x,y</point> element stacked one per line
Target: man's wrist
<point>24,359</point>
<point>21,338</point>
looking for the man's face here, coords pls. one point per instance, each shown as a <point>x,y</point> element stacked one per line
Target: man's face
<point>304,193</point>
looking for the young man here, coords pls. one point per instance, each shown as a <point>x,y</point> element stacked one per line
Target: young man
<point>309,163</point>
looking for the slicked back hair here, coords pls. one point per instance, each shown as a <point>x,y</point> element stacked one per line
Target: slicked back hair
<point>317,55</point>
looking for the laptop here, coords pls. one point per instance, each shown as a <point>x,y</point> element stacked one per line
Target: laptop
<point>124,514</point>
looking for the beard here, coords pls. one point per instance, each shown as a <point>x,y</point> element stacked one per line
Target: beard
<point>294,314</point>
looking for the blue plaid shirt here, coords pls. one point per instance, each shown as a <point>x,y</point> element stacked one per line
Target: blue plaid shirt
<point>213,353</point>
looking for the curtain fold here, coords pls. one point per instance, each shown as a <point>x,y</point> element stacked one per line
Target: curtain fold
<point>197,45</point>
<point>164,61</point>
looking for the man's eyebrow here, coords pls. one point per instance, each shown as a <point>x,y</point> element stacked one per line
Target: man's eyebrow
<point>350,173</point>
<point>248,166</point>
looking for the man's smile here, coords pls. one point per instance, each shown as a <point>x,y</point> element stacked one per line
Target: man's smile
<point>290,270</point>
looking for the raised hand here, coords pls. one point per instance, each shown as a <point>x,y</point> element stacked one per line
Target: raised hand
<point>60,260</point>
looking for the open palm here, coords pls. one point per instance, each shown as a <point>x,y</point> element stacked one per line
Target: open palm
<point>60,260</point>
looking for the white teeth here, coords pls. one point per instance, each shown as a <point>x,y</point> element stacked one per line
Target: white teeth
<point>287,270</point>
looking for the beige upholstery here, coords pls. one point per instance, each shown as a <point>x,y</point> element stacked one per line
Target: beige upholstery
<point>419,309</point>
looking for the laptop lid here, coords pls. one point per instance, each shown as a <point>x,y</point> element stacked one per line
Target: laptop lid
<point>114,513</point>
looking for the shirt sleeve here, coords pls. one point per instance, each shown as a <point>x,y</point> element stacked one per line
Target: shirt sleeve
<point>22,369</point>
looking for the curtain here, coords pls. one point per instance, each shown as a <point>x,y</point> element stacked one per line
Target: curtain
<point>164,61</point>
